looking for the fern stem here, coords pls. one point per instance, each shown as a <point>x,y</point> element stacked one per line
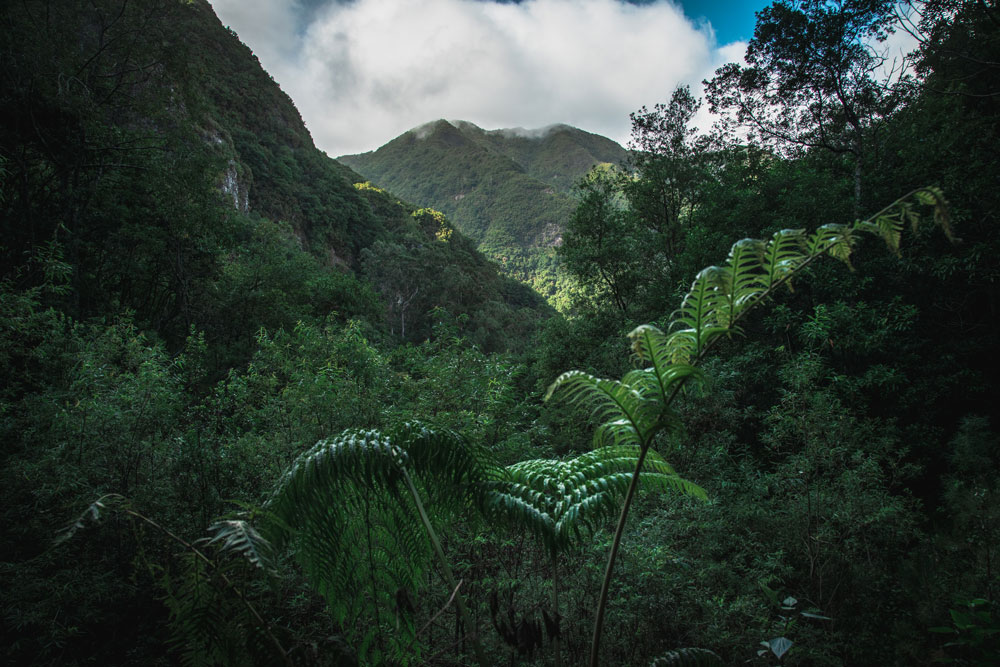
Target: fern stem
<point>446,569</point>
<point>702,350</point>
<point>264,625</point>
<point>555,607</point>
<point>595,644</point>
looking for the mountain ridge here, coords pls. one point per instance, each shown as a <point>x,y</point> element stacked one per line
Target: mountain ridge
<point>443,163</point>
<point>511,190</point>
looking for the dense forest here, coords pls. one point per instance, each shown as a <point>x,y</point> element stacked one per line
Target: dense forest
<point>260,410</point>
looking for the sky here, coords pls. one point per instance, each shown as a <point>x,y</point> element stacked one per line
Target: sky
<point>362,72</point>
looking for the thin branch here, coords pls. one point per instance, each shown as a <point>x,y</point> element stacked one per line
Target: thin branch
<point>439,611</point>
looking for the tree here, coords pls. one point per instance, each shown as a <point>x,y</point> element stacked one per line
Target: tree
<point>600,245</point>
<point>812,79</point>
<point>667,160</point>
<point>639,408</point>
<point>630,224</point>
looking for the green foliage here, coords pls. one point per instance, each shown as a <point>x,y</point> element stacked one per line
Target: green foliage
<point>687,657</point>
<point>975,629</point>
<point>634,410</point>
<point>350,508</point>
<point>191,293</point>
<point>506,189</point>
<point>562,502</point>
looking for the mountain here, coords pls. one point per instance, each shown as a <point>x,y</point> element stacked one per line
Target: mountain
<point>558,154</point>
<point>178,181</point>
<point>511,189</point>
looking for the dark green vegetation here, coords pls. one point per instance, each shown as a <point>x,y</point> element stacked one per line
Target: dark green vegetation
<point>510,190</point>
<point>314,415</point>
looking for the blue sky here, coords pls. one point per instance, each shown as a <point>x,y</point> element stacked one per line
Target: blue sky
<point>732,21</point>
<point>363,71</point>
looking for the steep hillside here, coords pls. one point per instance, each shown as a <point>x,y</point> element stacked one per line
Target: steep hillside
<point>190,294</point>
<point>502,187</point>
<point>508,189</point>
<point>171,108</point>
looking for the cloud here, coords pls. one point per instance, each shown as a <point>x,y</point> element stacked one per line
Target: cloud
<point>362,72</point>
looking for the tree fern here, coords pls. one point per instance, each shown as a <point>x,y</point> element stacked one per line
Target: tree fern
<point>638,407</point>
<point>561,502</point>
<point>352,512</point>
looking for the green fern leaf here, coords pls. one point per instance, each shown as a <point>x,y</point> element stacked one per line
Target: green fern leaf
<point>651,345</point>
<point>688,657</point>
<point>835,240</point>
<point>238,536</point>
<point>739,281</point>
<point>611,401</point>
<point>782,255</point>
<point>563,501</point>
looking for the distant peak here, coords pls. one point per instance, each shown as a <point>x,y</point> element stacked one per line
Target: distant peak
<point>427,129</point>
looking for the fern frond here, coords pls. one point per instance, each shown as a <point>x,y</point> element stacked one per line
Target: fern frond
<point>783,254</point>
<point>739,281</point>
<point>563,501</point>
<point>834,240</point>
<point>610,400</point>
<point>350,509</point>
<point>90,515</point>
<point>239,537</point>
<point>653,346</point>
<point>889,226</point>
<point>688,657</point>
<point>697,319</point>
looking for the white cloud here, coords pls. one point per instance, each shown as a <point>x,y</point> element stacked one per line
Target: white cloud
<point>363,72</point>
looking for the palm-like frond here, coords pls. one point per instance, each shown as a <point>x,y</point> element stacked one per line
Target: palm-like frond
<point>695,324</point>
<point>239,537</point>
<point>652,346</point>
<point>834,240</point>
<point>688,657</point>
<point>629,412</point>
<point>351,510</point>
<point>719,297</point>
<point>562,501</point>
<point>738,283</point>
<point>782,256</point>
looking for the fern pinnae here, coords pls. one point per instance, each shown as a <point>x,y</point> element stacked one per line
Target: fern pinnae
<point>744,265</point>
<point>697,312</point>
<point>782,254</point>
<point>835,240</point>
<point>240,537</point>
<point>611,399</point>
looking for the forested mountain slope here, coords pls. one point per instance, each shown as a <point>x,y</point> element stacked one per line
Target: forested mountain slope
<point>176,252</point>
<point>498,186</point>
<point>167,109</point>
<point>511,190</point>
<point>256,412</point>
